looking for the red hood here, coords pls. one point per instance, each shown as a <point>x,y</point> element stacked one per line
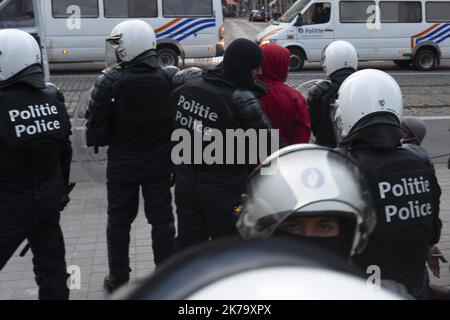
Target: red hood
<point>276,62</point>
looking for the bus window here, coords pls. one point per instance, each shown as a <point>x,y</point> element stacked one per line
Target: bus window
<point>356,11</point>
<point>187,8</point>
<point>88,8</point>
<point>131,8</point>
<point>438,11</point>
<point>318,13</point>
<point>401,11</point>
<point>17,14</point>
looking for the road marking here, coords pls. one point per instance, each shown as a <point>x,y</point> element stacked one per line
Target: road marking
<point>395,73</point>
<point>433,118</point>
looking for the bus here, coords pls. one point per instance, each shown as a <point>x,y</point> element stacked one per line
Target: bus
<point>412,32</point>
<point>75,30</point>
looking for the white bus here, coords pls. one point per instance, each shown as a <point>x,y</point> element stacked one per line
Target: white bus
<point>75,30</point>
<point>409,32</point>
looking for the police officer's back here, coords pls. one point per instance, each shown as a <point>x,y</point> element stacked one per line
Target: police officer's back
<point>131,112</point>
<point>404,186</point>
<point>339,61</point>
<point>218,100</point>
<point>34,134</point>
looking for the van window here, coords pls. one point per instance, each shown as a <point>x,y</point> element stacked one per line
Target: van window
<point>89,8</point>
<point>438,11</point>
<point>401,11</point>
<point>356,11</point>
<point>17,14</point>
<point>294,10</point>
<point>318,13</point>
<point>131,8</point>
<point>187,8</point>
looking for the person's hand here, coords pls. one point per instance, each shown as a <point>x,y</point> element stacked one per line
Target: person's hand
<point>435,258</point>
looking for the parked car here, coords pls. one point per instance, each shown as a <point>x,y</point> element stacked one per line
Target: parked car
<point>257,15</point>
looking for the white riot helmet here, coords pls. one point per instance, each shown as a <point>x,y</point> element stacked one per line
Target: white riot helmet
<point>365,93</point>
<point>18,51</point>
<point>310,181</point>
<point>128,40</point>
<point>339,55</point>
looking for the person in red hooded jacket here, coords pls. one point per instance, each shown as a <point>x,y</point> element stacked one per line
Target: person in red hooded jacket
<point>285,106</point>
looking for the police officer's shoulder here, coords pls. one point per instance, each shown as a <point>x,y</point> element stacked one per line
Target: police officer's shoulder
<point>171,71</point>
<point>320,88</point>
<point>352,157</point>
<point>52,90</point>
<point>186,75</point>
<point>418,152</point>
<point>108,76</point>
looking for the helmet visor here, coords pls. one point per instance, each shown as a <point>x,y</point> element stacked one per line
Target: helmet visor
<point>336,121</point>
<point>112,45</point>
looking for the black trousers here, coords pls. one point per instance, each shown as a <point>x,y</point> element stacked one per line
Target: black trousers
<point>205,207</point>
<point>127,176</point>
<point>33,215</point>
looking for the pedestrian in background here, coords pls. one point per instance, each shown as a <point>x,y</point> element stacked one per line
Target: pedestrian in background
<point>285,106</point>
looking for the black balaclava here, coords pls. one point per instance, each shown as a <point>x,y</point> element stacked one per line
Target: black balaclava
<point>339,245</point>
<point>32,75</point>
<point>241,57</point>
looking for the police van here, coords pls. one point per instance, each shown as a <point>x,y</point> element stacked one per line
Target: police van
<point>75,30</point>
<point>409,32</point>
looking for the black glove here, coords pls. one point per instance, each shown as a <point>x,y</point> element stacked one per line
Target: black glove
<point>248,112</point>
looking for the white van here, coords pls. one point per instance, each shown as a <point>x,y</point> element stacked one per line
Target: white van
<point>408,32</point>
<point>75,30</point>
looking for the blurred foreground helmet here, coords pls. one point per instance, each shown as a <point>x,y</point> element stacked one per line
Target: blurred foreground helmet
<point>416,127</point>
<point>128,40</point>
<point>365,93</point>
<point>339,55</point>
<point>18,51</point>
<point>271,269</point>
<point>310,181</point>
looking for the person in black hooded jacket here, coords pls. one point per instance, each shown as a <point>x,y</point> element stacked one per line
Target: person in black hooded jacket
<point>339,61</point>
<point>219,99</point>
<point>35,153</point>
<point>403,185</point>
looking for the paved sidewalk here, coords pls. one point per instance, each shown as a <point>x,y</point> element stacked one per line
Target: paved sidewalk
<point>84,227</point>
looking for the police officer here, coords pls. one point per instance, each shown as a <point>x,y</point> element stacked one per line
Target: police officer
<point>34,136</point>
<point>339,60</point>
<point>404,186</point>
<point>414,131</point>
<point>306,201</point>
<point>131,112</point>
<point>218,100</point>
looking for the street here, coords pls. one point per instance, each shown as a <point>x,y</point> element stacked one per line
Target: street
<point>426,94</point>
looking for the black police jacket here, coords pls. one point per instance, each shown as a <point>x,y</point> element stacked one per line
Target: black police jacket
<point>407,198</point>
<point>210,102</point>
<point>320,99</point>
<point>34,130</point>
<point>130,107</point>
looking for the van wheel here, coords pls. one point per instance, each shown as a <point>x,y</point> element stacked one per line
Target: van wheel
<point>167,57</point>
<point>425,60</point>
<point>297,59</point>
<point>402,63</point>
